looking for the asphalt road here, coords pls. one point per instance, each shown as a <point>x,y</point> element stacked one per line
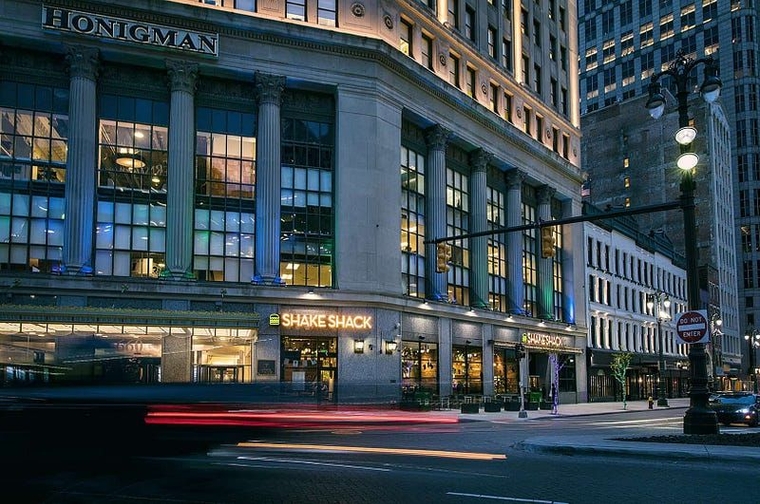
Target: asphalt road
<point>104,457</point>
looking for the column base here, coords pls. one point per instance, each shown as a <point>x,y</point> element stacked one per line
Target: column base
<point>76,270</point>
<point>274,281</point>
<point>700,421</point>
<point>177,275</point>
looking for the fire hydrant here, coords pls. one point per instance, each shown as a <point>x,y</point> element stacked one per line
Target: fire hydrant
<point>651,402</point>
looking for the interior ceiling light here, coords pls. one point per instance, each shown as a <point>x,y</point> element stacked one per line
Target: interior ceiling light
<point>129,159</point>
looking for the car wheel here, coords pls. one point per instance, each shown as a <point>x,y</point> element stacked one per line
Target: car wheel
<point>753,422</point>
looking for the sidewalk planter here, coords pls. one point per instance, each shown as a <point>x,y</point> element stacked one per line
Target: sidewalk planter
<point>491,406</point>
<point>512,406</point>
<point>545,405</point>
<point>531,406</point>
<point>470,407</point>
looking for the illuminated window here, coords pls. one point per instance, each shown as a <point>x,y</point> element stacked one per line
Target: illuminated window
<point>497,251</point>
<point>34,127</point>
<point>413,222</point>
<point>132,181</point>
<point>457,223</point>
<point>627,182</point>
<point>306,217</point>
<point>223,244</point>
<point>405,37</point>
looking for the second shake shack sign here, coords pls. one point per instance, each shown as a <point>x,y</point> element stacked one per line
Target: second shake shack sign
<point>129,31</point>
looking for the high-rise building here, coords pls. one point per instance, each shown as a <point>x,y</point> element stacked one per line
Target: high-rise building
<point>206,192</point>
<point>624,43</point>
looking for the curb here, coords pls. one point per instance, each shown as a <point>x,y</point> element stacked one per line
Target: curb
<point>642,450</point>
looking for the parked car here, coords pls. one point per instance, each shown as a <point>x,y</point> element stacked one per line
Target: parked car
<point>736,407</point>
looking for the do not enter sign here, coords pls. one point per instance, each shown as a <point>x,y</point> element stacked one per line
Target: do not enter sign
<point>691,327</point>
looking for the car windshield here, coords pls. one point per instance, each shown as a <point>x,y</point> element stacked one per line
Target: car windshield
<point>743,399</point>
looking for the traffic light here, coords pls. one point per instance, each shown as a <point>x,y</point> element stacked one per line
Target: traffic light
<point>519,351</point>
<point>547,241</point>
<point>442,256</point>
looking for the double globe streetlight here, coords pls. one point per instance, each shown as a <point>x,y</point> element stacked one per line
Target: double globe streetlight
<point>699,418</point>
<point>660,303</point>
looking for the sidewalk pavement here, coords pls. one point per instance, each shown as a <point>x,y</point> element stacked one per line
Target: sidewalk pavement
<point>605,445</point>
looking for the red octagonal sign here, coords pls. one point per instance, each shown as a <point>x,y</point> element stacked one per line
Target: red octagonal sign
<point>692,326</point>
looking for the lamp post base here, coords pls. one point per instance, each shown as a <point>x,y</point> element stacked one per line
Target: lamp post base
<point>700,421</point>
<point>662,402</point>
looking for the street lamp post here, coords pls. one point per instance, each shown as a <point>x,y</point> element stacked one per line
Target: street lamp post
<point>660,302</point>
<point>716,346</point>
<point>699,419</point>
<point>753,343</point>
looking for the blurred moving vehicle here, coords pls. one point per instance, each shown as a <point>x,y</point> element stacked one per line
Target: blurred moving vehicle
<point>736,407</point>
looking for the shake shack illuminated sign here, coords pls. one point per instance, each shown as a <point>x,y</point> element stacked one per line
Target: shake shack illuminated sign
<point>542,340</point>
<point>125,30</point>
<point>325,321</point>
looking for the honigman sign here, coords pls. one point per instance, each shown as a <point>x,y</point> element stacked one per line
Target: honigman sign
<point>125,30</point>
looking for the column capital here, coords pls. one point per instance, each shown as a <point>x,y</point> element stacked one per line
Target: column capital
<point>437,137</point>
<point>182,75</point>
<point>514,178</point>
<point>83,61</point>
<point>545,194</point>
<point>269,88</point>
<point>479,160</point>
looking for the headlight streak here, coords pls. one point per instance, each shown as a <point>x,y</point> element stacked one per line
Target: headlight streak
<point>310,462</point>
<point>367,449</point>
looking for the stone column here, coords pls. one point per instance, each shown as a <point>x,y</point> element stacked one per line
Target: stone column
<point>545,265</point>
<point>479,222</point>
<point>269,90</point>
<point>81,161</point>
<point>181,170</point>
<point>435,188</point>
<point>515,179</point>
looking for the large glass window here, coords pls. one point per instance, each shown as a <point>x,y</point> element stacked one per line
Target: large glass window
<point>557,271</point>
<point>529,249</point>
<point>413,222</point>
<point>33,144</point>
<point>132,178</point>
<point>223,236</point>
<point>458,223</point>
<point>306,245</point>
<point>497,252</point>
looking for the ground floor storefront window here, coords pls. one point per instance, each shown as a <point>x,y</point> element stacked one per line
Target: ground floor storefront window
<point>467,369</point>
<point>309,365</point>
<point>115,354</point>
<point>506,375</point>
<point>419,366</point>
